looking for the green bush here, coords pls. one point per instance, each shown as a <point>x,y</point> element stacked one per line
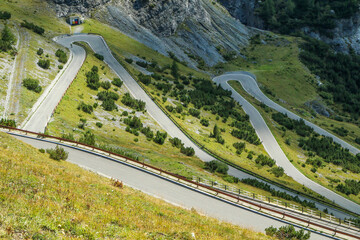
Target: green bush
<point>160,137</point>
<point>216,166</point>
<point>287,232</point>
<point>62,57</point>
<point>117,82</point>
<point>194,112</point>
<point>105,85</point>
<point>129,60</point>
<point>99,56</point>
<point>32,85</point>
<point>4,15</point>
<point>45,64</point>
<point>204,122</point>
<point>278,171</point>
<point>138,105</point>
<point>264,160</point>
<point>88,138</point>
<point>188,151</point>
<point>99,124</point>
<point>33,27</point>
<point>240,147</point>
<point>145,79</point>
<point>176,142</point>
<point>8,122</point>
<point>40,51</point>
<point>87,108</point>
<point>58,153</point>
<point>93,79</point>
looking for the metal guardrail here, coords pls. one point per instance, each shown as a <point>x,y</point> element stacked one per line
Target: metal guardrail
<point>278,203</point>
<point>279,213</point>
<point>201,146</point>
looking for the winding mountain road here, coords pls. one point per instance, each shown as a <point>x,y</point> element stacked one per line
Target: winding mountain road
<point>268,140</point>
<point>42,114</point>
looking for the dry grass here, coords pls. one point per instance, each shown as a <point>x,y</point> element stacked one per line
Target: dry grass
<point>45,199</point>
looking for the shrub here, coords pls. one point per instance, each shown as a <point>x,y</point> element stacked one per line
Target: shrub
<point>58,153</point>
<point>68,136</point>
<point>32,85</point>
<point>117,82</point>
<point>145,79</point>
<point>357,140</point>
<point>87,108</point>
<point>4,15</point>
<point>194,112</point>
<point>147,132</point>
<point>133,103</point>
<point>88,138</point>
<point>278,171</point>
<point>99,124</point>
<point>240,147</point>
<point>99,56</point>
<point>264,160</point>
<point>93,79</point>
<point>129,60</point>
<point>45,64</point>
<point>287,232</point>
<point>142,64</point>
<point>176,142</point>
<point>188,151</point>
<point>160,137</point>
<point>216,166</point>
<point>204,122</point>
<point>8,122</point>
<point>62,57</point>
<point>60,67</point>
<point>33,27</point>
<point>109,105</point>
<point>105,95</point>
<point>42,150</point>
<point>169,108</point>
<point>133,122</point>
<point>40,51</point>
<point>105,85</point>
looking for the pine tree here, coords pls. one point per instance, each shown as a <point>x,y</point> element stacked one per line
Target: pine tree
<point>7,36</point>
<point>175,70</point>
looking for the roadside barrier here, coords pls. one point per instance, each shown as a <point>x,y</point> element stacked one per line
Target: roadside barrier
<point>308,220</point>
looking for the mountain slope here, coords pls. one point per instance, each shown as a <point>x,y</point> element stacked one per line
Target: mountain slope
<point>45,199</point>
<point>187,28</point>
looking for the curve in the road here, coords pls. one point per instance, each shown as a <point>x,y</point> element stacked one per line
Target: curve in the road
<point>42,115</point>
<point>268,140</point>
<point>170,191</point>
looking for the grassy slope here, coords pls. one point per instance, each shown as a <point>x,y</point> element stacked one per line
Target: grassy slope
<point>43,198</point>
<point>67,118</point>
<point>277,66</point>
<point>297,155</point>
<point>39,13</point>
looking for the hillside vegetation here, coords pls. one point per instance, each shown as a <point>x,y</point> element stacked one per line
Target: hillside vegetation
<point>42,198</point>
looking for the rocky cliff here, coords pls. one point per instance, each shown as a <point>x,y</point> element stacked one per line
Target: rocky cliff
<point>185,27</point>
<point>66,7</point>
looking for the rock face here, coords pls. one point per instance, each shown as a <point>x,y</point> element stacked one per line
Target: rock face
<point>244,10</point>
<point>185,27</point>
<point>65,7</point>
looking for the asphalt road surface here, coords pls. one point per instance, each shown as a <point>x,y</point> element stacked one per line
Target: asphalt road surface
<point>42,114</point>
<point>166,190</point>
<point>42,111</point>
<point>268,140</point>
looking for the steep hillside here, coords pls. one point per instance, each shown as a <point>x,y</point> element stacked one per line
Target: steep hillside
<point>190,28</point>
<point>45,199</point>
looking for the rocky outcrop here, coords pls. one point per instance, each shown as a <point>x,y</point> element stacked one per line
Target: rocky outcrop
<point>185,27</point>
<point>66,7</point>
<point>245,11</point>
